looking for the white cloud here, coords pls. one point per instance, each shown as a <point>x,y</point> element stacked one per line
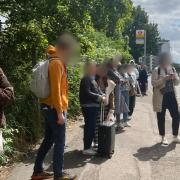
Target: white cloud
<point>166,13</point>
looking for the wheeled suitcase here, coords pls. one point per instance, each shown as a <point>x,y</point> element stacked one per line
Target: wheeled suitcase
<point>106,137</point>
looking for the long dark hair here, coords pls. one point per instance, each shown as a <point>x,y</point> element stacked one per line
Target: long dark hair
<point>104,78</point>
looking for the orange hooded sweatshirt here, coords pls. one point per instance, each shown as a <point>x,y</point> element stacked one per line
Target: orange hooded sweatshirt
<point>58,97</point>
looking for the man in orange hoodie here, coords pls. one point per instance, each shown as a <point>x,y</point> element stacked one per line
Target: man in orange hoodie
<point>54,109</point>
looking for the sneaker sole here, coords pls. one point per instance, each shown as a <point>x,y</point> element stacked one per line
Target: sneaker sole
<point>164,145</point>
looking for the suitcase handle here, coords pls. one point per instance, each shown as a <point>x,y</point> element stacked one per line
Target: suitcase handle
<point>102,113</point>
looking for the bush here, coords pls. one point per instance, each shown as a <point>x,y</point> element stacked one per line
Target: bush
<point>23,43</point>
<point>9,137</point>
<point>74,75</point>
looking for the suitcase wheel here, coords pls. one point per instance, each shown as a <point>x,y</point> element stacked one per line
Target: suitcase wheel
<point>110,156</point>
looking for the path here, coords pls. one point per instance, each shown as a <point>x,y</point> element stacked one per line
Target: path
<point>138,156</point>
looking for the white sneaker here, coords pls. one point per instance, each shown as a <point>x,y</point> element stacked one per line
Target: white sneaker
<point>164,142</point>
<point>176,139</point>
<point>89,152</point>
<point>127,124</point>
<point>121,125</point>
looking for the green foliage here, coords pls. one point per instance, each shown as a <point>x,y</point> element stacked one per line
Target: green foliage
<point>99,25</point>
<point>141,21</point>
<point>108,15</point>
<point>74,74</point>
<point>101,47</point>
<point>9,137</point>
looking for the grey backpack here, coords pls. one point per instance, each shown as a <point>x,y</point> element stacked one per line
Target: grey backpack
<point>40,80</point>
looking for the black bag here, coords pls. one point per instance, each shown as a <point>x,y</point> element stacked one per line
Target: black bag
<point>163,90</point>
<point>106,137</point>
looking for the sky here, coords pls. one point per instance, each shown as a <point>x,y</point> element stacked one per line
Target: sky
<point>166,13</point>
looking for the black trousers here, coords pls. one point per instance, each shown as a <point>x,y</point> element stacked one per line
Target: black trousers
<point>170,103</point>
<point>90,117</point>
<point>143,86</point>
<point>132,103</point>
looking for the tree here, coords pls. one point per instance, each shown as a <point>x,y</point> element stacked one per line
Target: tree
<point>110,15</point>
<point>141,21</point>
<point>32,25</point>
<point>153,38</point>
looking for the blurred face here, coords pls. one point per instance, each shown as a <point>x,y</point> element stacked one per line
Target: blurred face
<point>142,66</point>
<point>123,70</point>
<point>115,62</point>
<point>98,70</point>
<point>102,71</point>
<point>130,69</point>
<point>67,47</point>
<point>166,62</point>
<point>66,53</point>
<point>91,69</point>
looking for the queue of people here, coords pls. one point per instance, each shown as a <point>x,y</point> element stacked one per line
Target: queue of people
<point>110,84</point>
<point>117,79</point>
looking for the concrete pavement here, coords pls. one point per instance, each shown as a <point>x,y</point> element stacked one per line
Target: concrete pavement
<point>138,156</point>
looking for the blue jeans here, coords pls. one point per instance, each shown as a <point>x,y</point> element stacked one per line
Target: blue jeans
<point>54,134</point>
<point>90,117</point>
<point>125,94</point>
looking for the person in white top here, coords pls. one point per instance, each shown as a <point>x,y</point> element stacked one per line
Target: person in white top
<point>134,75</point>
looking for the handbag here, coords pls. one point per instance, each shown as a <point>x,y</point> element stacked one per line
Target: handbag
<point>133,90</point>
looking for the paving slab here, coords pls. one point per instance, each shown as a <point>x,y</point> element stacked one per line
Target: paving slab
<point>138,155</point>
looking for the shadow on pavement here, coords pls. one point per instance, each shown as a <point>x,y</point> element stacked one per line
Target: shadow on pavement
<point>120,131</point>
<point>154,152</point>
<point>75,159</point>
